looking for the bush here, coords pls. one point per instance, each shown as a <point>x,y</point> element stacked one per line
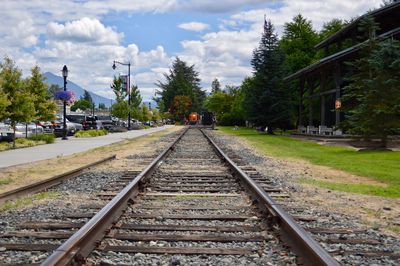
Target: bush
<point>48,138</point>
<point>230,120</point>
<point>23,142</point>
<point>90,133</point>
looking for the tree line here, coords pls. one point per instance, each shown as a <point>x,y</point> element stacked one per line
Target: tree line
<point>370,99</point>
<point>138,111</point>
<point>24,100</point>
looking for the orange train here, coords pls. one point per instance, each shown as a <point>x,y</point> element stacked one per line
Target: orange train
<point>194,118</point>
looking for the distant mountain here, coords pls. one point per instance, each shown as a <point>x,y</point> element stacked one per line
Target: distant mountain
<point>79,91</point>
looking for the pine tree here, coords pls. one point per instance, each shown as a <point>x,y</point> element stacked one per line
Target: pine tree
<point>372,100</point>
<point>52,90</point>
<point>266,101</point>
<point>87,97</point>
<point>136,100</point>
<point>119,91</point>
<point>182,80</point>
<point>45,107</point>
<point>215,86</point>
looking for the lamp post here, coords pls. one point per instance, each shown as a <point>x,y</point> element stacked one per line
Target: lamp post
<point>65,75</point>
<point>129,88</point>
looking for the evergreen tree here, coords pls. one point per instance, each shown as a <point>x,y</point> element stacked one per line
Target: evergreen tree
<point>371,100</point>
<point>45,107</point>
<point>136,99</point>
<point>53,89</point>
<point>87,97</point>
<point>215,86</point>
<point>328,29</point>
<point>266,101</point>
<point>298,41</point>
<point>182,80</point>
<point>117,87</point>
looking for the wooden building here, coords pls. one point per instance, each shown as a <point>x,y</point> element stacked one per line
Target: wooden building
<point>320,84</point>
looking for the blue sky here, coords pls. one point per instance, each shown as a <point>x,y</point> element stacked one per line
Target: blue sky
<point>218,37</point>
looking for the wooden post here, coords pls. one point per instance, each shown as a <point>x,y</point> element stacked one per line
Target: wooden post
<point>300,122</point>
<point>338,83</point>
<point>322,110</point>
<point>322,89</point>
<point>310,114</point>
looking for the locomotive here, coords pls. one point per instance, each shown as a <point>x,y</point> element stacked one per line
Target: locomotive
<point>205,119</point>
<point>194,118</point>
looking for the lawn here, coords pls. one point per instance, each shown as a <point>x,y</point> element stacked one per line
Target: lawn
<point>383,166</point>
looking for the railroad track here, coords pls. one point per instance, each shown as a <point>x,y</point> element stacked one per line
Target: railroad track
<point>48,183</point>
<point>193,201</point>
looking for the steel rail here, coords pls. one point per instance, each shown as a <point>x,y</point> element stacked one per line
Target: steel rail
<point>79,245</point>
<point>300,241</point>
<point>48,183</point>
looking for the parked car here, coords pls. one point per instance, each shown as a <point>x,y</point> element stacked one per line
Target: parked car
<point>21,130</point>
<point>72,128</point>
<point>106,121</point>
<point>47,126</point>
<point>87,121</point>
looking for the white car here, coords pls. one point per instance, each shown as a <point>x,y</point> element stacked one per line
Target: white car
<point>21,130</point>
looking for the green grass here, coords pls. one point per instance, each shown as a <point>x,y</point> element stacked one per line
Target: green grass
<point>27,200</point>
<point>90,133</point>
<point>24,142</point>
<point>48,138</point>
<point>5,181</point>
<point>383,166</point>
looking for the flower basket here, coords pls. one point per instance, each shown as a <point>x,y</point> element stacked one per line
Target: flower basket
<point>66,96</point>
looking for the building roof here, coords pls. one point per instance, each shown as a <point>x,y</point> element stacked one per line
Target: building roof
<point>387,16</point>
<point>340,55</point>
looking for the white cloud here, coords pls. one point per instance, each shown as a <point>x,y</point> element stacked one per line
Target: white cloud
<point>51,35</point>
<point>194,26</point>
<point>84,30</point>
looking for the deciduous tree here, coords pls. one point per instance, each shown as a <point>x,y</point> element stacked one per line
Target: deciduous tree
<point>180,107</point>
<point>21,106</point>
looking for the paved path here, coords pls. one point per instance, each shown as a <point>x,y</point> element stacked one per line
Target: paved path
<point>68,147</point>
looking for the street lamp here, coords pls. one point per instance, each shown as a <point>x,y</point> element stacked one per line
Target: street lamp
<point>129,88</point>
<point>65,75</point>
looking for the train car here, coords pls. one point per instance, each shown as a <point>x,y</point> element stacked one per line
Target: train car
<point>194,118</point>
<point>207,119</point>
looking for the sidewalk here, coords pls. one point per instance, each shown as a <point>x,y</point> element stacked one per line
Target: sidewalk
<point>68,147</point>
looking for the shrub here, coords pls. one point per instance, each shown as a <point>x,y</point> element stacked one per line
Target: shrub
<point>48,138</point>
<point>23,142</point>
<point>90,133</point>
<point>230,120</point>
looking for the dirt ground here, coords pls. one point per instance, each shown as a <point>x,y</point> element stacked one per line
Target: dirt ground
<point>18,176</point>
